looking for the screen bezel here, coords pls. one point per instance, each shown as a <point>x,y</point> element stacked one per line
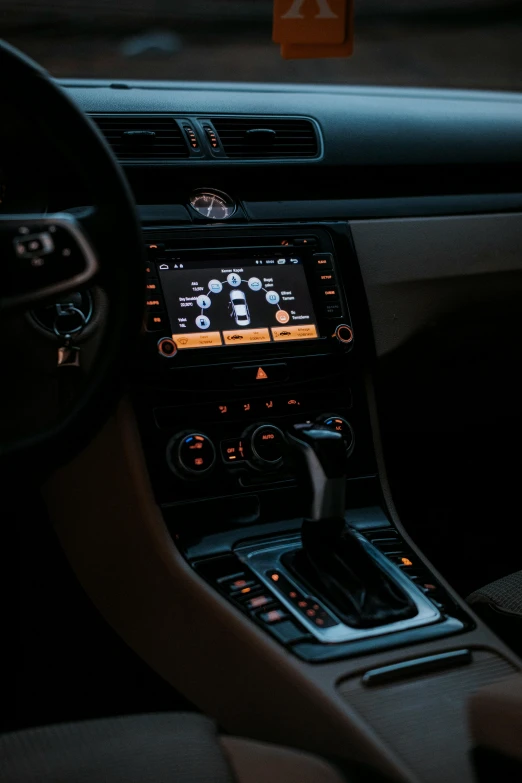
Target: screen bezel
<point>227,243</point>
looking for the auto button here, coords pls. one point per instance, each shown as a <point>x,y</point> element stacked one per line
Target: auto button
<point>265,444</point>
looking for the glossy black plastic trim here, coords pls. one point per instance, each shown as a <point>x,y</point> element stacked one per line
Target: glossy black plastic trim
<point>416,668</point>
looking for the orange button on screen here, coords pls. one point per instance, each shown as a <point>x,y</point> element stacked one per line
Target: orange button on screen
<point>246,336</point>
<point>282,316</point>
<point>197,339</point>
<point>303,332</point>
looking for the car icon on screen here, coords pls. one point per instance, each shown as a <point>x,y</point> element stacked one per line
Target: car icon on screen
<point>239,308</point>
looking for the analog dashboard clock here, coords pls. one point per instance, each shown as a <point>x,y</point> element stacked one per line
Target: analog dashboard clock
<point>213,204</point>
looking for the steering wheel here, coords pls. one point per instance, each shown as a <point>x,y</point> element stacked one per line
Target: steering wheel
<point>44,257</point>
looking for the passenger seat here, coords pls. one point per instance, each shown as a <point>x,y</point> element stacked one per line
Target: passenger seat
<point>169,747</point>
<point>499,604</point>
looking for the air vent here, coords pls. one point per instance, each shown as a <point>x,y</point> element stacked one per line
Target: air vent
<point>251,137</point>
<point>142,137</point>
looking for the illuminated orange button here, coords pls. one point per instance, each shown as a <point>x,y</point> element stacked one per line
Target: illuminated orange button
<point>272,617</point>
<point>301,332</point>
<point>246,336</point>
<point>406,561</point>
<point>197,339</point>
<point>282,316</point>
<point>260,600</point>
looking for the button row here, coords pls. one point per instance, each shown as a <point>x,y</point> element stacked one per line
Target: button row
<point>245,590</point>
<point>250,408</point>
<point>328,286</point>
<point>156,320</point>
<point>391,545</point>
<point>305,605</point>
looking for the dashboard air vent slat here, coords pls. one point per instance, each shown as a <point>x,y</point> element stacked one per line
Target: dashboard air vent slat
<point>260,137</point>
<point>142,137</point>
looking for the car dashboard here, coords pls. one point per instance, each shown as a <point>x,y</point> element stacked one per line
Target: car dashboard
<point>344,256</point>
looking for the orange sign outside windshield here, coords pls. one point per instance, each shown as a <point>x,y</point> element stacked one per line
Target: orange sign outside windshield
<point>309,21</point>
<point>314,28</point>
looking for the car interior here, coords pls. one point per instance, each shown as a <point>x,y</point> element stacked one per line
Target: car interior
<point>260,431</point>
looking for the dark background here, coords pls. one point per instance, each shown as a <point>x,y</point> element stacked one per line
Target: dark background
<point>441,43</point>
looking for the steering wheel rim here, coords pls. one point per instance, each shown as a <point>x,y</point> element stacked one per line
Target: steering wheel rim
<point>113,232</point>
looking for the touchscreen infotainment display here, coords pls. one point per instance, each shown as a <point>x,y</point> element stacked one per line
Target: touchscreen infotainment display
<point>217,303</point>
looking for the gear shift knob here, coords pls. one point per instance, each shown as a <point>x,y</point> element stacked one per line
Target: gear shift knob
<point>320,454</point>
<point>333,562</point>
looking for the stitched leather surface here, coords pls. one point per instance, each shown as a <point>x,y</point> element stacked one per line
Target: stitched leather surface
<point>505,594</point>
<point>162,748</point>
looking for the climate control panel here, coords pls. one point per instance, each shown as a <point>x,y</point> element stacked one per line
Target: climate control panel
<point>261,447</point>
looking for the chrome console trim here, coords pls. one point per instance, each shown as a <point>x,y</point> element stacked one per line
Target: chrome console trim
<point>266,556</point>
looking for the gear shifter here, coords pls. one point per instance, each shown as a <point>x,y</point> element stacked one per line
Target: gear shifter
<point>333,561</point>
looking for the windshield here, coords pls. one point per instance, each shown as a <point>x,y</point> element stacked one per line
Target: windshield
<point>439,43</point>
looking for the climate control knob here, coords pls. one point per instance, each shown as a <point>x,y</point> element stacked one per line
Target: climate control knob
<point>265,446</point>
<point>339,424</point>
<point>191,454</point>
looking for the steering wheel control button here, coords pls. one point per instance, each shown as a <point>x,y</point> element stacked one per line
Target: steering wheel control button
<point>33,245</point>
<point>267,443</point>
<point>44,258</point>
<point>323,261</point>
<point>344,334</point>
<point>259,375</point>
<point>338,424</point>
<point>167,348</point>
<point>192,454</point>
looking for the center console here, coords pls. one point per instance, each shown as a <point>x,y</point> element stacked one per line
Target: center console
<point>251,335</point>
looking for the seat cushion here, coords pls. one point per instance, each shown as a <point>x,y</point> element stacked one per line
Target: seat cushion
<point>161,748</point>
<point>499,604</point>
<point>259,762</point>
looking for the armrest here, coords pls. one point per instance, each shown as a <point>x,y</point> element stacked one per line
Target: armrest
<point>495,714</point>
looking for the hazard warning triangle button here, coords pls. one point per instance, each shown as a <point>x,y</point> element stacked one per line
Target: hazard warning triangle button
<point>250,376</point>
